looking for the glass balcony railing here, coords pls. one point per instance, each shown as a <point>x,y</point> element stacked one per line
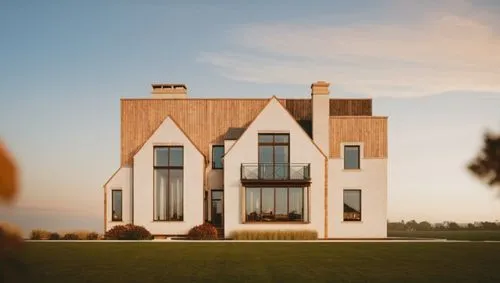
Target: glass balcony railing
<point>276,171</point>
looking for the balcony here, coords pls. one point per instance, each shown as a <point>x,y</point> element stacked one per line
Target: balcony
<point>269,174</point>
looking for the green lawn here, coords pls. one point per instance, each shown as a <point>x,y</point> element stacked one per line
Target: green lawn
<point>450,235</point>
<point>262,262</point>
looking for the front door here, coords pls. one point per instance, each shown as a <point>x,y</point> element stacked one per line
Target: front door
<point>217,198</point>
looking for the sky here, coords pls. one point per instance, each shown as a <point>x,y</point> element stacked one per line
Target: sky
<point>433,67</point>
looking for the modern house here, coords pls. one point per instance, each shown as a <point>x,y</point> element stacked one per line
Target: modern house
<point>315,163</point>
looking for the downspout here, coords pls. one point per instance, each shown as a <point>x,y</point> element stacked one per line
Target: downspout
<point>326,198</point>
<point>105,208</point>
<point>132,193</point>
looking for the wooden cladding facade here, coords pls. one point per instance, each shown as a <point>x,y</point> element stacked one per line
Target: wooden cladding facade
<point>371,131</point>
<point>350,107</point>
<point>205,121</point>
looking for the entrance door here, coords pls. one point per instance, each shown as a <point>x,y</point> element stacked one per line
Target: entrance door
<point>217,208</point>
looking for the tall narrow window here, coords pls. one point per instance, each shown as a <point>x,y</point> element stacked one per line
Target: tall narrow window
<point>274,156</point>
<point>352,205</point>
<point>217,153</point>
<point>351,157</point>
<point>116,205</point>
<point>168,183</point>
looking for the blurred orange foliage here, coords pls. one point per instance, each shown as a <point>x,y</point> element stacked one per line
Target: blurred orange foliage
<point>8,175</point>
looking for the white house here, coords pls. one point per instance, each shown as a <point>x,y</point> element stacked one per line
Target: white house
<point>250,164</point>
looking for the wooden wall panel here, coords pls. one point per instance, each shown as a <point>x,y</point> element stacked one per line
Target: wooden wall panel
<point>372,131</point>
<point>350,107</point>
<point>205,121</point>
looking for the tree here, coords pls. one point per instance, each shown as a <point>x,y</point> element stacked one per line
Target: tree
<point>424,226</point>
<point>11,266</point>
<point>486,165</point>
<point>396,226</point>
<point>411,225</point>
<point>453,226</point>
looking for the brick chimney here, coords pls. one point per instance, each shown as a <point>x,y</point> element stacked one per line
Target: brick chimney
<point>321,115</point>
<point>169,91</point>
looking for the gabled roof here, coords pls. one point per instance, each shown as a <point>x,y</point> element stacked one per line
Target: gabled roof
<point>274,98</point>
<point>206,121</point>
<point>114,174</point>
<point>168,118</point>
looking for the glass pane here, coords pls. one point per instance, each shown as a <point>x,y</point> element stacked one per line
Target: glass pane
<point>352,205</point>
<point>281,138</point>
<point>252,204</point>
<point>117,206</point>
<point>266,167</point>
<point>176,156</point>
<point>267,204</point>
<point>266,138</point>
<point>281,154</point>
<point>161,156</point>
<point>217,153</point>
<point>296,204</point>
<point>281,160</point>
<point>175,197</point>
<point>216,194</point>
<point>160,194</point>
<point>305,213</point>
<point>265,154</point>
<point>216,212</point>
<point>351,157</point>
<point>281,204</point>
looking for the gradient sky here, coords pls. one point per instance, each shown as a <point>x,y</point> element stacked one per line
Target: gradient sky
<point>433,67</point>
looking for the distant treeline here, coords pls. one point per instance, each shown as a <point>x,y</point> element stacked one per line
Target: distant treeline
<point>446,226</point>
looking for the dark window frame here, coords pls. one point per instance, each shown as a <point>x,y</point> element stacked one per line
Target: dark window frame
<point>360,205</point>
<point>304,191</point>
<point>359,156</point>
<point>113,202</point>
<point>168,168</point>
<point>273,144</point>
<point>213,162</point>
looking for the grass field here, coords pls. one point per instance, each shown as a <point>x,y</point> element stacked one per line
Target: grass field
<point>450,235</point>
<point>261,262</point>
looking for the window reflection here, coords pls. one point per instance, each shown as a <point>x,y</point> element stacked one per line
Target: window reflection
<point>276,204</point>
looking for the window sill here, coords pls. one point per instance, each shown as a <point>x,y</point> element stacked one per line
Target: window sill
<point>352,221</point>
<point>116,221</point>
<point>352,170</point>
<point>174,221</point>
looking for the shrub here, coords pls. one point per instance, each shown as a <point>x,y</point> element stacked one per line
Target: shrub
<point>11,262</point>
<point>204,231</point>
<point>92,236</point>
<point>128,232</point>
<point>70,236</point>
<point>82,234</point>
<point>54,236</point>
<point>274,235</point>
<point>10,237</point>
<point>39,234</point>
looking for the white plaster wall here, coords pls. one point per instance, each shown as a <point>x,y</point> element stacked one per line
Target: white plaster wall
<point>371,179</point>
<point>168,134</point>
<point>274,118</point>
<point>122,180</point>
<point>228,144</point>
